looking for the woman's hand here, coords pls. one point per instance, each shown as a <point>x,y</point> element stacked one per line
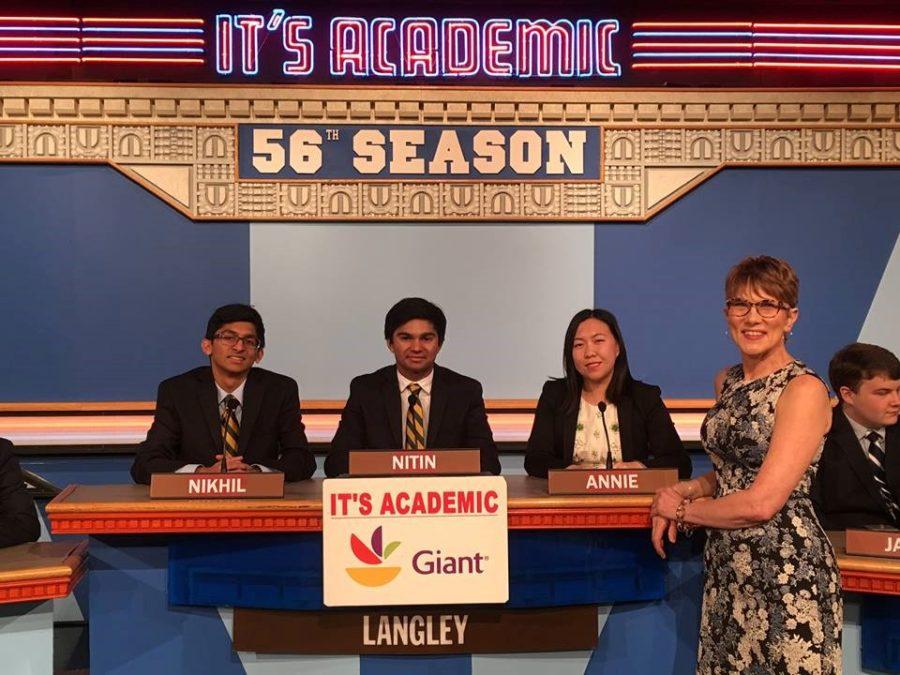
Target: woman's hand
<point>662,513</point>
<point>688,489</point>
<point>666,502</point>
<point>662,527</point>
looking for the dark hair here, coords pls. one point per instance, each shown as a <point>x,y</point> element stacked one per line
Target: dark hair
<point>230,314</point>
<point>857,362</point>
<point>621,375</point>
<point>415,308</point>
<point>765,273</point>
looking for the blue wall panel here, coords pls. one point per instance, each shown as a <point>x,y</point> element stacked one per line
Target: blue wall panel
<point>106,288</point>
<point>109,287</point>
<point>664,279</point>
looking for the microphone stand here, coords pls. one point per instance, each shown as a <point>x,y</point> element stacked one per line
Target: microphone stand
<point>601,406</point>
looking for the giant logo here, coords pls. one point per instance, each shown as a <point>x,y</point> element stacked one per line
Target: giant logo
<point>375,573</point>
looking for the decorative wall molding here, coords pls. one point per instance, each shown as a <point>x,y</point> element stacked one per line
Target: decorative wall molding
<point>180,143</point>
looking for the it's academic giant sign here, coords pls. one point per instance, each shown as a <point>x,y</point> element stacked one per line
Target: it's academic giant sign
<point>396,541</point>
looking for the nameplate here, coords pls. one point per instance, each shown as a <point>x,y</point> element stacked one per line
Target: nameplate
<point>437,462</point>
<point>876,543</point>
<point>612,482</point>
<point>430,630</point>
<point>217,485</point>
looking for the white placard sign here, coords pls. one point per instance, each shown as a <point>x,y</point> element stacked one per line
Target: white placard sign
<point>419,541</point>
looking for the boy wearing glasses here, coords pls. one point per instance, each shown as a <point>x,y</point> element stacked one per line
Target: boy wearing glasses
<point>250,414</point>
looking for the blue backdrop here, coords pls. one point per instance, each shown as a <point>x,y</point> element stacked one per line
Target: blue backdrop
<point>107,289</point>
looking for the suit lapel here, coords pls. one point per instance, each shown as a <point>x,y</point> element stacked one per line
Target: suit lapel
<point>856,457</point>
<point>439,397</point>
<point>626,428</point>
<point>390,392</point>
<point>253,396</point>
<point>206,395</point>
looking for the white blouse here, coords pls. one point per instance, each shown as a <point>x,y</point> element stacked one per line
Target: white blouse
<point>590,441</point>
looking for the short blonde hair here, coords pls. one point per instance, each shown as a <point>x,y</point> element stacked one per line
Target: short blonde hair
<point>772,276</point>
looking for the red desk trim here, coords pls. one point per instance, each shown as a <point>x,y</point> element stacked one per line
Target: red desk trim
<point>870,582</point>
<point>48,587</point>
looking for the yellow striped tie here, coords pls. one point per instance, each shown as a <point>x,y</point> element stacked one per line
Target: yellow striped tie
<point>415,420</point>
<point>232,429</point>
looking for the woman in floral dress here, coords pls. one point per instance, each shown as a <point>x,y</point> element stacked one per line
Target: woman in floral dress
<point>771,600</point>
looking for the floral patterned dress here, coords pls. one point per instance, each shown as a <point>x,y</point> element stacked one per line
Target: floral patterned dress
<point>772,595</point>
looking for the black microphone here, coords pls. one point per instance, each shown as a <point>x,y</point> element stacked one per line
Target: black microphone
<point>609,458</point>
<point>231,404</point>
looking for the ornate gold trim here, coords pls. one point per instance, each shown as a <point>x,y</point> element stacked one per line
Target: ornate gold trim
<point>180,143</point>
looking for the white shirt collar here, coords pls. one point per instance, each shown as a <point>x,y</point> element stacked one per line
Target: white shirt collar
<point>862,431</point>
<point>425,382</point>
<point>237,393</point>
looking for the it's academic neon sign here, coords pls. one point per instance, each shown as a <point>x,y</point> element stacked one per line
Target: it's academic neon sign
<point>424,46</point>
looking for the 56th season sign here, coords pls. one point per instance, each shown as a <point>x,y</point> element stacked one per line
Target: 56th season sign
<point>426,541</point>
<point>435,152</point>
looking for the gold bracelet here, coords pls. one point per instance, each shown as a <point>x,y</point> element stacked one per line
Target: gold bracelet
<point>680,525</point>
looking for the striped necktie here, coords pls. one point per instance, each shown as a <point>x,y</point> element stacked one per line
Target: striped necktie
<point>415,420</point>
<point>231,428</point>
<point>876,456</point>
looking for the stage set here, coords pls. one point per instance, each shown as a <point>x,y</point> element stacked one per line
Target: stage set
<point>513,163</point>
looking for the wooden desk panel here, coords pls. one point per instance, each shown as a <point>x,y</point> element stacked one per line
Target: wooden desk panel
<point>40,571</point>
<point>128,509</point>
<point>866,574</point>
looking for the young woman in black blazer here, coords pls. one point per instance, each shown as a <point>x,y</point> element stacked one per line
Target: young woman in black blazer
<point>567,429</point>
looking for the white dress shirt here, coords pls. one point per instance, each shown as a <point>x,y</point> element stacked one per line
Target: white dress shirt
<point>590,439</point>
<point>238,413</point>
<point>861,433</point>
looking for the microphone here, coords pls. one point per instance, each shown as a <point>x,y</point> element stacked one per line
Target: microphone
<point>609,458</point>
<point>231,404</point>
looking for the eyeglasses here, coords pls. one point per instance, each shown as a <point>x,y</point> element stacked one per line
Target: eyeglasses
<point>230,339</point>
<point>767,309</point>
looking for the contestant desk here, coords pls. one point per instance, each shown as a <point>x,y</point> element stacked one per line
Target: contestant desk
<point>866,574</point>
<point>40,571</point>
<point>31,577</point>
<point>174,567</point>
<point>128,509</point>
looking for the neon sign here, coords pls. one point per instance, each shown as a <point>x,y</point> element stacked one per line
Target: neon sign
<point>342,42</point>
<point>686,45</point>
<point>425,47</point>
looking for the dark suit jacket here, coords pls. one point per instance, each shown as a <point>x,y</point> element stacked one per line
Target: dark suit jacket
<point>645,430</point>
<point>186,428</point>
<point>371,418</point>
<point>844,491</point>
<point>18,519</point>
